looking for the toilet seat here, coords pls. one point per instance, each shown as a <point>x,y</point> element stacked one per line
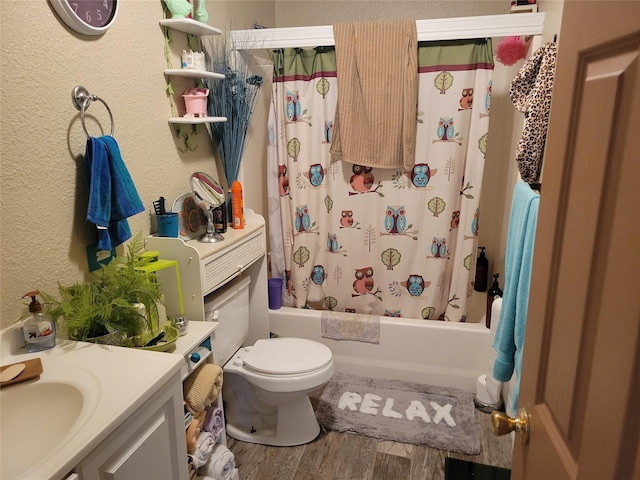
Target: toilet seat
<point>287,356</point>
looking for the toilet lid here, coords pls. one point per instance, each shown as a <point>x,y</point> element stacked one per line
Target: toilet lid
<point>284,356</point>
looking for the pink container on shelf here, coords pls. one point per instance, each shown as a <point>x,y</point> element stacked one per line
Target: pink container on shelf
<point>195,101</point>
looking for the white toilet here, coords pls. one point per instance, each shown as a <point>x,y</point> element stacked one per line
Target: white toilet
<point>266,386</point>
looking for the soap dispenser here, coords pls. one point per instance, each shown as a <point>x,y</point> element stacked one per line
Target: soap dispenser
<point>493,293</point>
<point>38,331</point>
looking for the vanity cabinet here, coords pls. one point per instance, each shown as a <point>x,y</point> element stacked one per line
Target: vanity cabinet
<point>150,444</point>
<point>192,27</point>
<point>147,444</point>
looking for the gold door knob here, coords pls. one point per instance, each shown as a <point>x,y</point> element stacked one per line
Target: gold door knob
<point>501,424</point>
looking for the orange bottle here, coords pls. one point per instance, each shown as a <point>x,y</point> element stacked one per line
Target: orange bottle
<point>237,215</point>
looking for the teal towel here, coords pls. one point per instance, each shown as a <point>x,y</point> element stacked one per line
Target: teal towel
<point>112,195</point>
<point>509,339</point>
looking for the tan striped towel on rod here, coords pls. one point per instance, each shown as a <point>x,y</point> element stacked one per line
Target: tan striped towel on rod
<point>377,68</point>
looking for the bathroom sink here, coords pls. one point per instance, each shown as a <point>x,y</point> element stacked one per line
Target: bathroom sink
<point>39,415</point>
<point>51,423</point>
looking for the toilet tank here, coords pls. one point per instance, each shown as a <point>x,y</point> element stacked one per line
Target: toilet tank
<point>229,305</point>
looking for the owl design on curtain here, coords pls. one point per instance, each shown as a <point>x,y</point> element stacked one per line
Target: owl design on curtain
<point>415,285</point>
<point>318,275</point>
<point>395,221</point>
<point>315,174</point>
<point>445,130</point>
<point>466,101</point>
<point>294,109</point>
<point>328,131</point>
<point>439,247</point>
<point>346,219</point>
<point>421,174</point>
<point>364,281</point>
<point>303,221</point>
<point>283,180</point>
<point>362,179</point>
<point>332,243</point>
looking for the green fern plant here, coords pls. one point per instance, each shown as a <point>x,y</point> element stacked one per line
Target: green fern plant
<point>108,303</point>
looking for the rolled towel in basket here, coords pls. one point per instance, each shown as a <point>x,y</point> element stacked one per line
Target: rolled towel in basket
<point>221,464</point>
<point>204,450</point>
<point>202,387</point>
<point>193,431</point>
<point>213,421</point>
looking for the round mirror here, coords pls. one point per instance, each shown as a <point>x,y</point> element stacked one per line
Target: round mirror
<point>208,190</point>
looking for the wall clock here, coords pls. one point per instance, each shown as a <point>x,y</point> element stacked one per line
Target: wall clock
<point>90,17</point>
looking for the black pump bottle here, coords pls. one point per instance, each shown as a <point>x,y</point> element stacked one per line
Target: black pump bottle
<point>482,271</point>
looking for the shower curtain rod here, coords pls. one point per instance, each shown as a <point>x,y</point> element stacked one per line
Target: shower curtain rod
<point>487,26</point>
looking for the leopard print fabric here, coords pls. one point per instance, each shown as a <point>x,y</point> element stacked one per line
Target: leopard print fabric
<point>530,93</point>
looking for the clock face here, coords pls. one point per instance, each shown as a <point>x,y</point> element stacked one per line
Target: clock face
<point>97,13</point>
<point>91,17</point>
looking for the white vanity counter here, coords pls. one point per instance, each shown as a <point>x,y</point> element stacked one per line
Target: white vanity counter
<point>51,424</point>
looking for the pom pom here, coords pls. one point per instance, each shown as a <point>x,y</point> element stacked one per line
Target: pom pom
<point>511,49</point>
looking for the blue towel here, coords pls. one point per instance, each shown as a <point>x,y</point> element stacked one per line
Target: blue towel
<point>112,195</point>
<point>509,340</point>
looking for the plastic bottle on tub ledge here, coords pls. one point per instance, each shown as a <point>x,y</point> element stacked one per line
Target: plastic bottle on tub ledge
<point>237,207</point>
<point>493,293</point>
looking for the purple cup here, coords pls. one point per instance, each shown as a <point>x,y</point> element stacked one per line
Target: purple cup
<point>275,293</point>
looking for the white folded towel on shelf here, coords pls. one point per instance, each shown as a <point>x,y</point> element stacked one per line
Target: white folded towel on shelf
<point>220,465</point>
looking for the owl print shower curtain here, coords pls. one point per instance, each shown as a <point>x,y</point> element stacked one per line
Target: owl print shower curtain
<point>345,237</point>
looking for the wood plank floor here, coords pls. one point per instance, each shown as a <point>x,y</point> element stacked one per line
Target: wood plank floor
<point>347,456</point>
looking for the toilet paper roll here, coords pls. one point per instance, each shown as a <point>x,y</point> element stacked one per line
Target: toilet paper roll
<point>481,390</point>
<point>488,390</point>
<point>494,389</point>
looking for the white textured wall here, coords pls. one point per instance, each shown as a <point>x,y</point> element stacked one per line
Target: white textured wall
<point>43,231</point>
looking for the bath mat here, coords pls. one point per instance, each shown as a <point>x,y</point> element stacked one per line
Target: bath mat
<point>438,417</point>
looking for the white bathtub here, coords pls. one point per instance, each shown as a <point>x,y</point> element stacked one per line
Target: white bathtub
<point>424,351</point>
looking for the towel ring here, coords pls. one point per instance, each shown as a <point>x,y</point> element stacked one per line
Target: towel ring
<point>81,100</point>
